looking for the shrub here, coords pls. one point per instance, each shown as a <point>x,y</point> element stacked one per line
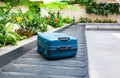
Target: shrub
<point>32,20</point>
<point>85,20</point>
<point>12,2</point>
<point>68,20</point>
<point>103,9</point>
<point>104,21</point>
<point>55,20</point>
<point>25,32</point>
<point>85,2</point>
<point>7,36</point>
<point>88,20</point>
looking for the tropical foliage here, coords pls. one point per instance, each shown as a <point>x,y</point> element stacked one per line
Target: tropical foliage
<point>99,8</point>
<point>103,9</point>
<point>30,22</point>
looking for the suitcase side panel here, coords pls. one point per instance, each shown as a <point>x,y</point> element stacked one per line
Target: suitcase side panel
<point>56,54</point>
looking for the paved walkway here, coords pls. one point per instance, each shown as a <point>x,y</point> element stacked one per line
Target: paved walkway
<point>33,65</point>
<point>104,53</point>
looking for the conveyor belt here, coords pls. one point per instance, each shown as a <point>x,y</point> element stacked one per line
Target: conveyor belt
<point>33,65</point>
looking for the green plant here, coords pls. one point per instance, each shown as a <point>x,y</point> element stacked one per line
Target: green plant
<point>5,14</point>
<point>12,2</point>
<point>25,32</point>
<point>35,6</point>
<point>43,25</point>
<point>85,2</point>
<point>54,6</point>
<point>70,1</point>
<point>24,2</point>
<point>6,35</point>
<point>68,20</point>
<point>55,20</point>
<point>88,20</point>
<point>103,9</point>
<point>32,20</point>
<point>85,20</point>
<point>104,21</point>
<point>35,22</point>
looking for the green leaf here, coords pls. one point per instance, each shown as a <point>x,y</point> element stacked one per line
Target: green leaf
<point>55,6</point>
<point>0,45</point>
<point>74,8</point>
<point>13,37</point>
<point>9,27</point>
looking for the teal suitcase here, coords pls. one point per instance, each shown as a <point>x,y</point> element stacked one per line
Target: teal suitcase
<point>56,45</point>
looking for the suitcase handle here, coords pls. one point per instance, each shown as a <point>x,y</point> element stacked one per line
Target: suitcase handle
<point>64,48</point>
<point>64,38</point>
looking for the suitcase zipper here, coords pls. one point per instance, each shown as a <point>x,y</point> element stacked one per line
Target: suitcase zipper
<point>58,48</point>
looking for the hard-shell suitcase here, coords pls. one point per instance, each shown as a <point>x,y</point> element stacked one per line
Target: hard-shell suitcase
<point>56,45</point>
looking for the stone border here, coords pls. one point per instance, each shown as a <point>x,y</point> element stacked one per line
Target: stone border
<point>102,26</point>
<point>10,53</point>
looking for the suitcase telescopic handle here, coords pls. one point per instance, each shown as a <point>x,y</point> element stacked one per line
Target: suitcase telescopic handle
<point>64,48</point>
<point>64,38</point>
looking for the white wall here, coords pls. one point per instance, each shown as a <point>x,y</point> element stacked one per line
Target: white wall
<point>118,1</point>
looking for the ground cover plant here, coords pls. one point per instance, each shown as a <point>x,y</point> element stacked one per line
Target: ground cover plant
<point>88,20</point>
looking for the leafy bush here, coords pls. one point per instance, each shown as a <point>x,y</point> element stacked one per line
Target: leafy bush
<point>88,20</point>
<point>31,20</point>
<point>25,32</point>
<point>24,2</point>
<point>34,6</point>
<point>68,20</point>
<point>85,20</point>
<point>55,20</point>
<point>104,21</point>
<point>103,8</point>
<point>54,6</point>
<point>7,36</point>
<point>70,1</point>
<point>85,2</point>
<point>35,22</point>
<point>30,23</point>
<point>5,14</point>
<point>12,2</point>
<point>82,2</point>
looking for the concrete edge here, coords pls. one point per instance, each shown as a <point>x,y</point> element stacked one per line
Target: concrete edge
<point>89,70</point>
<point>100,24</point>
<point>10,53</point>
